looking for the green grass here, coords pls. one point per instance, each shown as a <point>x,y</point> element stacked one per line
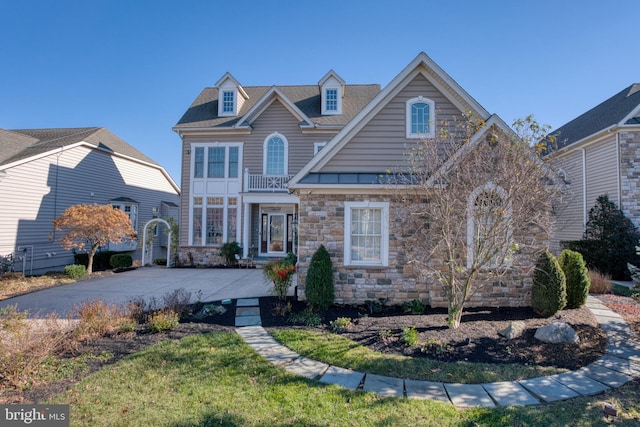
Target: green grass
<point>339,351</point>
<point>216,379</point>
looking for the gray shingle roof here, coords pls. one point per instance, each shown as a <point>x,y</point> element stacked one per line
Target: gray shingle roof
<point>203,112</point>
<point>21,144</point>
<point>604,115</point>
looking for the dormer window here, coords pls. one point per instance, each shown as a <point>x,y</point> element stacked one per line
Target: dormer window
<point>420,118</point>
<point>332,92</point>
<point>228,99</point>
<point>231,96</point>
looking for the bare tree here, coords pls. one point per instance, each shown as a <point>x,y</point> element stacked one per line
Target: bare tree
<point>477,203</point>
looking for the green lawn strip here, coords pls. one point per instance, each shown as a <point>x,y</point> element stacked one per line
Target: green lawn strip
<point>217,379</point>
<point>622,290</point>
<point>339,351</point>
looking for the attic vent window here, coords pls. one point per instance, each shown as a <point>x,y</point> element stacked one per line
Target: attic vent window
<point>420,118</point>
<point>227,101</point>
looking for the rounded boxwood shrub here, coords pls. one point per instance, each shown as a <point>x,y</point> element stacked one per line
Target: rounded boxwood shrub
<point>578,282</point>
<point>121,261</point>
<point>319,281</point>
<point>549,291</point>
<point>75,271</point>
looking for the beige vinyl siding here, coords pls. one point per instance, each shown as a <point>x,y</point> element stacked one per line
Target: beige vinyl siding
<point>380,145</point>
<point>275,118</point>
<point>602,173</point>
<point>36,192</point>
<point>569,222</point>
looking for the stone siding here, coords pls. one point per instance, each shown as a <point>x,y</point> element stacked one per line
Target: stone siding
<point>321,221</point>
<point>200,256</point>
<point>630,174</point>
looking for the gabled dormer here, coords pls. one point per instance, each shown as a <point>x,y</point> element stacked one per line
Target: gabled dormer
<point>331,93</point>
<point>231,96</point>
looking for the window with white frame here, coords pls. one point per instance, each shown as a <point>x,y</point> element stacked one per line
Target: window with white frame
<point>196,222</point>
<point>489,227</point>
<point>366,233</point>
<point>130,208</point>
<point>220,218</point>
<point>228,102</point>
<point>276,159</point>
<point>317,146</point>
<point>198,162</point>
<point>223,161</point>
<point>331,100</point>
<point>420,118</point>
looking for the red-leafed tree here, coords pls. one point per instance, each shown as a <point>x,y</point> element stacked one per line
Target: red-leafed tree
<point>91,226</point>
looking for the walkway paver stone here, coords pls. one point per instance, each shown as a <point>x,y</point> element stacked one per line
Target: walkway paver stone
<point>307,368</point>
<point>426,390</point>
<point>343,377</point>
<point>383,385</point>
<point>510,393</point>
<point>580,383</point>
<point>548,389</point>
<point>620,365</point>
<point>613,379</point>
<point>468,395</point>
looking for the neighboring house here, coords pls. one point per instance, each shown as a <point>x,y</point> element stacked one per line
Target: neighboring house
<point>44,171</point>
<point>288,168</point>
<point>599,153</point>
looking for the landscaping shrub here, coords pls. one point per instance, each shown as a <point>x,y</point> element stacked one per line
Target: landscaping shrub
<point>75,271</point>
<point>25,345</point>
<point>341,324</point>
<point>575,272</point>
<point>319,282</point>
<point>177,300</point>
<point>409,336</point>
<point>160,261</point>
<point>228,251</point>
<point>307,317</point>
<point>121,261</point>
<point>414,307</point>
<point>609,241</point>
<point>98,318</point>
<point>101,260</point>
<point>600,283</point>
<point>549,291</point>
<point>163,320</point>
<point>280,272</point>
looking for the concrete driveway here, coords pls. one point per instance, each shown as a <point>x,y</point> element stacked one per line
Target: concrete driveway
<point>147,282</point>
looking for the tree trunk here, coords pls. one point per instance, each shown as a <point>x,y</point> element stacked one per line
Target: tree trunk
<point>454,315</point>
<point>91,254</point>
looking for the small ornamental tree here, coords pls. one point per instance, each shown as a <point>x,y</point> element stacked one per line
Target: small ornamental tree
<point>92,226</point>
<point>318,286</point>
<point>578,282</point>
<point>548,292</point>
<point>610,240</point>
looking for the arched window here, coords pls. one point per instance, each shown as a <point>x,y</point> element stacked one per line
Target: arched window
<point>489,227</point>
<point>420,117</point>
<point>276,159</point>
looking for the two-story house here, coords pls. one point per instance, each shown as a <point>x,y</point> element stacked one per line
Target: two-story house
<point>288,168</point>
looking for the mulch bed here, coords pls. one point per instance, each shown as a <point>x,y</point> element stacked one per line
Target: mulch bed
<point>476,340</point>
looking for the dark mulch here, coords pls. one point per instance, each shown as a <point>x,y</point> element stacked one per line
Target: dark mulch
<point>476,340</point>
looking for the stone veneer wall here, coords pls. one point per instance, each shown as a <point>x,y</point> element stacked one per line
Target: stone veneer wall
<point>204,256</point>
<point>322,222</point>
<point>630,174</point>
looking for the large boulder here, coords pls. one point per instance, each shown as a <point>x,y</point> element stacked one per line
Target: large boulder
<point>556,333</point>
<point>514,330</point>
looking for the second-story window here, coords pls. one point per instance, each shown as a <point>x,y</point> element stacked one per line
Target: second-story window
<point>198,163</point>
<point>331,100</point>
<point>215,164</point>
<point>275,155</point>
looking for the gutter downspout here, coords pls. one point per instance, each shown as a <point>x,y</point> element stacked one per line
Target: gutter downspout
<point>618,171</point>
<point>584,188</point>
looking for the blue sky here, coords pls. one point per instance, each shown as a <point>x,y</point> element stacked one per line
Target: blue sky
<point>134,66</point>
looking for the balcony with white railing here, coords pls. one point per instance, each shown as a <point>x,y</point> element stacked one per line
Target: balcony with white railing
<point>266,183</point>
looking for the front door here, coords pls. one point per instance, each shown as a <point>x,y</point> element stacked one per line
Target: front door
<point>277,233</point>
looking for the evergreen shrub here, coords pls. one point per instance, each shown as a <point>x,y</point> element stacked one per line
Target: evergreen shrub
<point>121,261</point>
<point>319,282</point>
<point>575,271</point>
<point>549,289</point>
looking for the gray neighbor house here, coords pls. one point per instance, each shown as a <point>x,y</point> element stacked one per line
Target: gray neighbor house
<point>598,153</point>
<point>288,168</point>
<point>44,171</point>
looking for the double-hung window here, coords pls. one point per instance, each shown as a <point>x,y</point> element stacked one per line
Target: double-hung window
<point>420,116</point>
<point>366,233</point>
<point>228,102</point>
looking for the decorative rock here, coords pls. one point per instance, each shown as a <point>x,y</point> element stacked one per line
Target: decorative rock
<point>514,330</point>
<point>556,333</point>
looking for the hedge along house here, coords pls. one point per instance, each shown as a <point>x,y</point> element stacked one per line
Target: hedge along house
<point>44,171</point>
<point>313,158</point>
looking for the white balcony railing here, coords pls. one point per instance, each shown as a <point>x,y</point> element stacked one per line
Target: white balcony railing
<point>274,183</point>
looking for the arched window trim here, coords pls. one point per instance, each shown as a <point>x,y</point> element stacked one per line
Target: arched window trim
<point>408,118</point>
<point>265,151</point>
<point>471,220</point>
